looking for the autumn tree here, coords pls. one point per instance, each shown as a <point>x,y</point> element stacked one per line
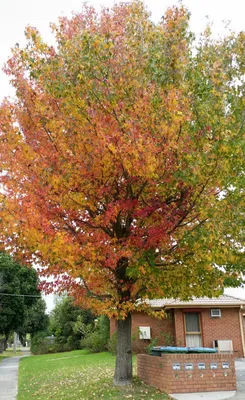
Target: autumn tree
<point>122,161</point>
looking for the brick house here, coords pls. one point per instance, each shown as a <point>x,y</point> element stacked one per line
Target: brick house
<point>201,322</point>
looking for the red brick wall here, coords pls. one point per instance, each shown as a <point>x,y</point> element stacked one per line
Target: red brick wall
<point>161,329</point>
<point>179,327</point>
<point>113,326</point>
<point>227,327</point>
<point>158,372</point>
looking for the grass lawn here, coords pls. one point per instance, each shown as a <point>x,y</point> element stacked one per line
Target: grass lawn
<point>76,375</point>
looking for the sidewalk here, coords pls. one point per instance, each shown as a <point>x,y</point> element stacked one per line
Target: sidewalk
<point>207,396</point>
<point>240,378</point>
<point>9,378</point>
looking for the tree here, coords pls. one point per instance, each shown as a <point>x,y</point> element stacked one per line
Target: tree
<point>35,320</point>
<point>68,322</point>
<point>19,294</point>
<point>123,161</point>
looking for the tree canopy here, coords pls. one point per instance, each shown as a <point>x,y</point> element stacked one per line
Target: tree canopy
<point>123,157</point>
<point>35,320</point>
<point>19,293</point>
<point>68,323</point>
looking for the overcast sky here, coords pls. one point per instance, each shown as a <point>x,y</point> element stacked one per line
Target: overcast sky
<point>15,15</point>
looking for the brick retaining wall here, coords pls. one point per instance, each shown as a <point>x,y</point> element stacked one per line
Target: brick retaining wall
<point>158,372</point>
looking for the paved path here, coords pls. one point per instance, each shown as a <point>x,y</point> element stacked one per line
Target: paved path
<point>9,377</point>
<point>240,378</point>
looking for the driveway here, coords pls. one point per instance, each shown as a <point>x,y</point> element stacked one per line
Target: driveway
<point>240,378</point>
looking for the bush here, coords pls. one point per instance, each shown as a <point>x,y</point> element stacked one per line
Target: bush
<point>95,342</point>
<point>152,344</point>
<point>40,344</point>
<point>104,326</point>
<point>72,343</point>
<point>112,343</point>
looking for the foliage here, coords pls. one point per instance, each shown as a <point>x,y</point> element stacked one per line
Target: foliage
<point>96,341</point>
<point>152,343</point>
<point>69,323</point>
<point>112,343</point>
<point>103,325</point>
<point>17,280</point>
<point>76,375</point>
<point>41,344</point>
<point>35,320</point>
<point>114,181</point>
<point>123,158</point>
<point>169,340</point>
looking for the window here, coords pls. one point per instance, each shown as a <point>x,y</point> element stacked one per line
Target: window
<point>193,329</point>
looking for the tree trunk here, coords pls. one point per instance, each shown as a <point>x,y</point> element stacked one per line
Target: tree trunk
<point>6,343</point>
<point>1,345</point>
<point>123,370</point>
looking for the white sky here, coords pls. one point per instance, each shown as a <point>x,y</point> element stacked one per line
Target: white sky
<point>15,15</point>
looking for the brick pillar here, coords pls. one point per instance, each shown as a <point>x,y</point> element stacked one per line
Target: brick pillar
<point>179,327</point>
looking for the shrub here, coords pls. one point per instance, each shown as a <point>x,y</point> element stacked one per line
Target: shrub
<point>168,339</point>
<point>95,342</point>
<point>40,344</point>
<point>104,326</point>
<point>72,343</point>
<point>112,343</point>
<point>152,344</point>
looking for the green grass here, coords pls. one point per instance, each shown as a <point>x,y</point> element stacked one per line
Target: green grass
<point>77,375</point>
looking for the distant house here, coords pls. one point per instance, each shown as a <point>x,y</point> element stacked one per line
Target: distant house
<point>201,322</point>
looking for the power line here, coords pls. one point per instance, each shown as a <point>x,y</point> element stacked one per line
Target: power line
<point>20,295</point>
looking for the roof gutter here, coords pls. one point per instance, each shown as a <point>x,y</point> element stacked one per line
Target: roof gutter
<point>200,306</point>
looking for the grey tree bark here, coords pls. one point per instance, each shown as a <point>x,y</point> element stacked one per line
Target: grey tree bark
<point>123,370</point>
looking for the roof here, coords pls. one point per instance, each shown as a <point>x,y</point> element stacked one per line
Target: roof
<point>221,301</point>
